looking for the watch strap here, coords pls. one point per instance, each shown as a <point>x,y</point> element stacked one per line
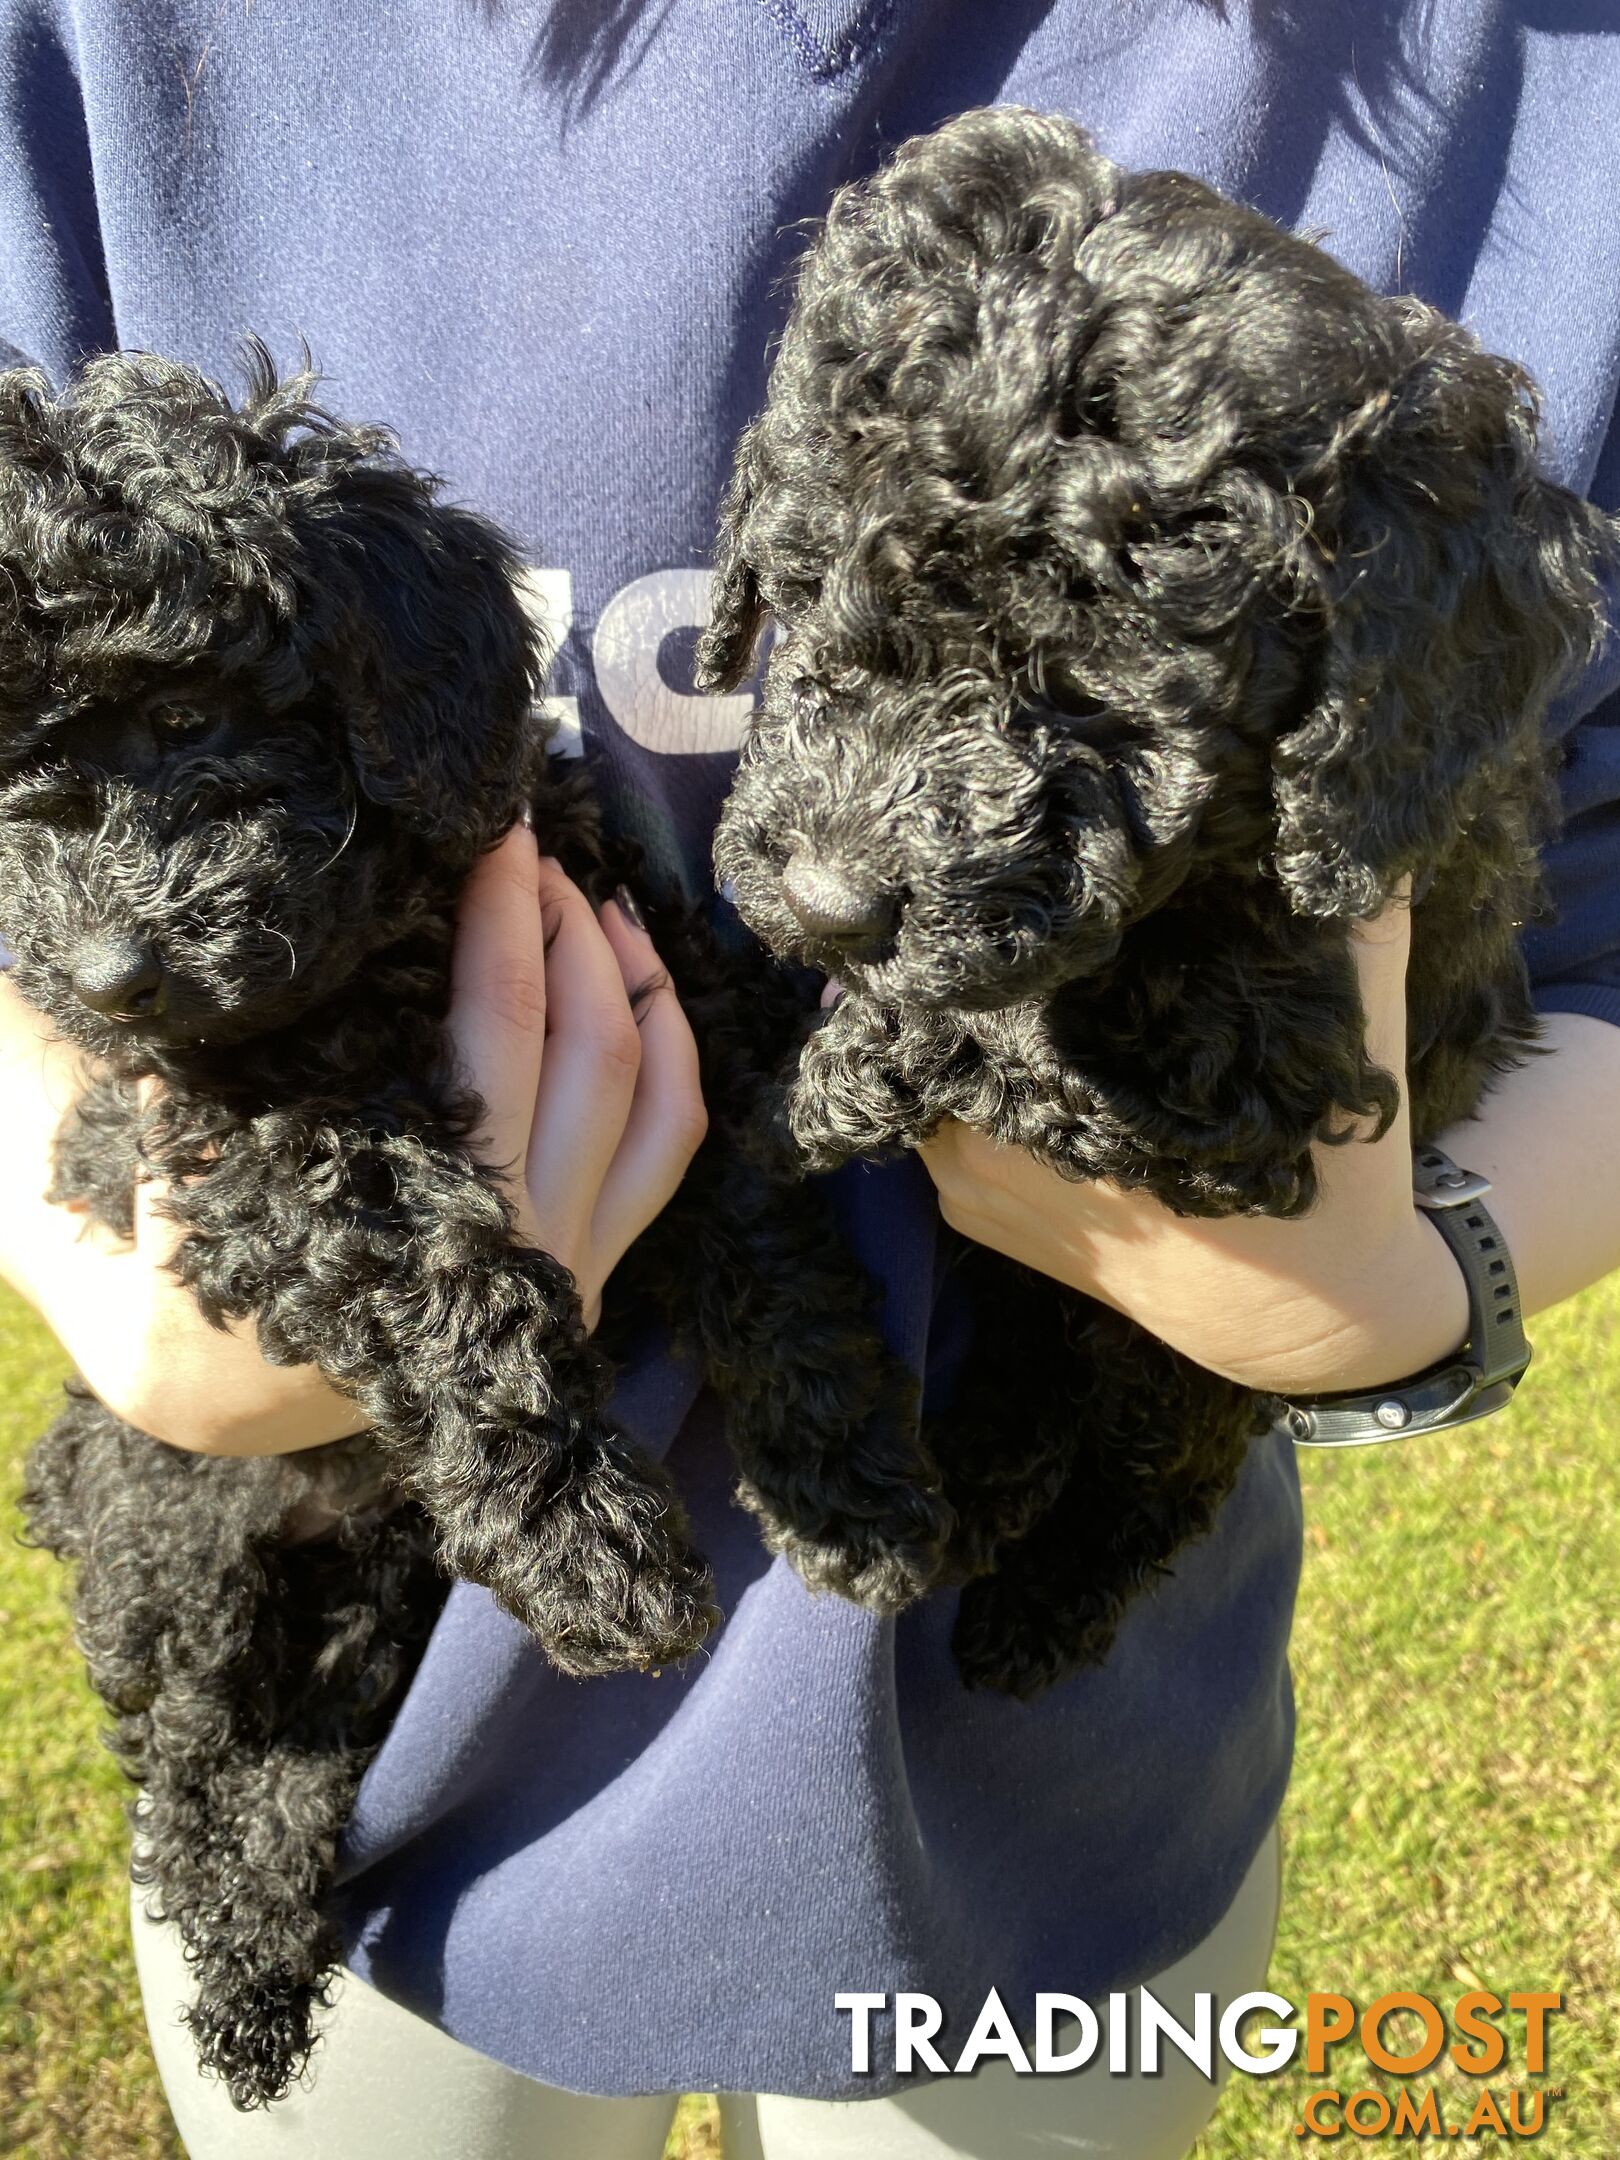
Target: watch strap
<point>1481,1377</point>
<point>1453,1199</point>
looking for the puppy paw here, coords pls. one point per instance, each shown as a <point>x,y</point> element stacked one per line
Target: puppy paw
<point>605,1579</point>
<point>848,1097</point>
<point>884,1560</point>
<point>1020,1646</point>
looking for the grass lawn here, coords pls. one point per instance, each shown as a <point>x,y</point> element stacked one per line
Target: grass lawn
<point>1454,1820</point>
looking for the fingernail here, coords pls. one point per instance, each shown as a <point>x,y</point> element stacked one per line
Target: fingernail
<point>526,816</point>
<point>625,901</point>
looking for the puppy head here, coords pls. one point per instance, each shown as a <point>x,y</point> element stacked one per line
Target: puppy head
<point>943,842</point>
<point>1117,536</point>
<point>262,700</point>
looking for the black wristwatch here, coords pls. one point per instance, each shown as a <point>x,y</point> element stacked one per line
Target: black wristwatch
<point>1482,1375</point>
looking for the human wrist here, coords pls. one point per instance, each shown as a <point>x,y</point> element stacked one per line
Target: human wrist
<point>1401,1307</point>
<point>1358,1291</point>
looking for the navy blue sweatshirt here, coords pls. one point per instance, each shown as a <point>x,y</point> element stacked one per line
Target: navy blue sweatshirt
<point>544,239</point>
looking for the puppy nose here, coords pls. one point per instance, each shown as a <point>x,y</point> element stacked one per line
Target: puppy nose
<point>830,903</point>
<point>121,977</point>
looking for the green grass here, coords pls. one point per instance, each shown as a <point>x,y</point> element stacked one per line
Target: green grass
<point>75,2077</point>
<point>1454,1817</point>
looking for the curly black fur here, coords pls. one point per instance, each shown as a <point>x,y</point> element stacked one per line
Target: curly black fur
<point>1154,599</point>
<point>264,699</point>
<point>247,1708</point>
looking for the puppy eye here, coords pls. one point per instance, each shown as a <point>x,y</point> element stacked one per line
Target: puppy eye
<point>180,722</point>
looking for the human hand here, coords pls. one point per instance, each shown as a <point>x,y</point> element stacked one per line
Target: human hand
<point>597,1147</point>
<point>1359,1291</point>
<point>129,1325</point>
<point>594,1110</point>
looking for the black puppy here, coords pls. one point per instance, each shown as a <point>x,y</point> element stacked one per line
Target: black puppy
<point>1155,599</point>
<point>264,700</point>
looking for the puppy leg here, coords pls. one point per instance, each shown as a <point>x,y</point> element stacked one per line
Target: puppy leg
<point>95,1160</point>
<point>822,1418</point>
<point>386,1257</point>
<point>1162,1447</point>
<point>251,1680</point>
<point>868,1083</point>
<point>1020,1413</point>
<point>820,1415</point>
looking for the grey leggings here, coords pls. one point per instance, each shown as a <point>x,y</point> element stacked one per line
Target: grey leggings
<point>388,2086</point>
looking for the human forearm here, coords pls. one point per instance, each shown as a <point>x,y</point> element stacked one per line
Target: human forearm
<point>1546,1137</point>
<point>131,1329</point>
<point>1358,1292</point>
<point>1364,1295</point>
<point>1362,1290</point>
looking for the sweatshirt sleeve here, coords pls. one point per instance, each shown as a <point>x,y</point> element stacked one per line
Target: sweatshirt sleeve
<point>54,300</point>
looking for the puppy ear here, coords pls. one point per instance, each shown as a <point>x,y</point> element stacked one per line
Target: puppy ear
<point>417,627</point>
<point>727,649</point>
<point>1457,599</point>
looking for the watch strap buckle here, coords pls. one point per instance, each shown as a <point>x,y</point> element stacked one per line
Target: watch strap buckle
<point>1456,1390</point>
<point>1438,1183</point>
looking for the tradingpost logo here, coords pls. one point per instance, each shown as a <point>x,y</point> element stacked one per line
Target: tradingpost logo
<point>1498,2041</point>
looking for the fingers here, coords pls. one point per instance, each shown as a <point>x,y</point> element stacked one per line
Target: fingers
<point>667,1120</point>
<point>615,1108</point>
<point>497,1012</point>
<point>1381,949</point>
<point>593,1057</point>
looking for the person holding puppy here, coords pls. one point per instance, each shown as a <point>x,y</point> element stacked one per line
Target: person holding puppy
<point>520,250</point>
